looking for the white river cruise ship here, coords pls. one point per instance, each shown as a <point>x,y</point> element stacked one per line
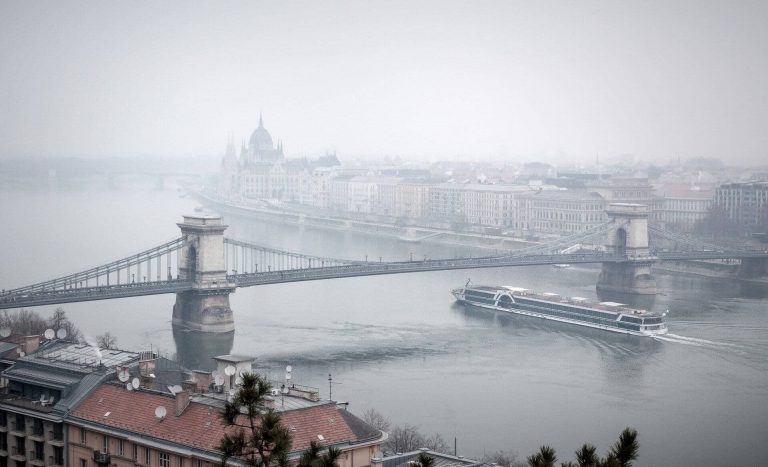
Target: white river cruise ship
<point>609,316</point>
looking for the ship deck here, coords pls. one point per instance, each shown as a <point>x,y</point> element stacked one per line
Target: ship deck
<point>613,307</point>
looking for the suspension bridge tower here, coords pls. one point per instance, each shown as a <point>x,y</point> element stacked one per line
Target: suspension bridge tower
<point>201,261</point>
<point>629,239</point>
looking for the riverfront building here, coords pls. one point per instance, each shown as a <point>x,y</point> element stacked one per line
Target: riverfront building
<point>262,172</point>
<point>744,203</point>
<point>680,208</point>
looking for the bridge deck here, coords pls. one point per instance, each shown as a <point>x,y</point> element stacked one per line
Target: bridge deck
<point>28,296</point>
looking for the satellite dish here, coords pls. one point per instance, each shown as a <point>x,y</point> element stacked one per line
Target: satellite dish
<point>49,334</point>
<point>238,381</point>
<point>229,370</point>
<point>289,369</point>
<point>218,380</point>
<point>160,412</point>
<point>21,353</point>
<point>128,386</point>
<point>135,382</point>
<point>123,375</point>
<point>61,333</point>
<point>176,389</point>
<point>5,332</point>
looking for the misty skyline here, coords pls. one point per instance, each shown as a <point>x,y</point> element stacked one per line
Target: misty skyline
<point>517,80</point>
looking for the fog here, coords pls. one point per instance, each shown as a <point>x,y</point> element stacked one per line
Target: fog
<point>556,81</point>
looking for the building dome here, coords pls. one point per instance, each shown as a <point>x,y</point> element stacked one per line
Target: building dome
<point>260,138</point>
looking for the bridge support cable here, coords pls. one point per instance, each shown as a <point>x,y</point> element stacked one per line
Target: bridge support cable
<point>245,257</point>
<point>685,240</point>
<point>562,243</point>
<point>132,269</point>
<point>376,268</point>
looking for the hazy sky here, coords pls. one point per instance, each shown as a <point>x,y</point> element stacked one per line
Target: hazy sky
<point>426,80</point>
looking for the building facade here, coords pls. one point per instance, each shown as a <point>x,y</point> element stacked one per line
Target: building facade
<point>744,203</point>
<point>43,386</point>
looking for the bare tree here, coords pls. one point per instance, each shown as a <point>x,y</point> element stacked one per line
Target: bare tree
<point>59,320</point>
<point>106,341</point>
<point>23,321</point>
<point>376,419</point>
<point>404,439</point>
<point>436,443</point>
<point>504,459</point>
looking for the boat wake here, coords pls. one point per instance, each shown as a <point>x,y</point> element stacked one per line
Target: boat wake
<point>695,341</point>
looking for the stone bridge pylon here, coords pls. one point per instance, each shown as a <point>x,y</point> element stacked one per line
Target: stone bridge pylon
<point>201,260</point>
<point>629,238</point>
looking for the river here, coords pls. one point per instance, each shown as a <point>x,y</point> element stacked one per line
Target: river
<point>401,345</point>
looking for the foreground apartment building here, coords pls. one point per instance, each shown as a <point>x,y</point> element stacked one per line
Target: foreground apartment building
<point>68,404</point>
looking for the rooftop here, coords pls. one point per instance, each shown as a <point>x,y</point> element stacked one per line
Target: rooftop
<point>441,460</point>
<point>79,357</point>
<point>199,425</point>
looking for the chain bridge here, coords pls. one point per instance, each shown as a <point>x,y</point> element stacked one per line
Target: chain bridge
<point>202,267</point>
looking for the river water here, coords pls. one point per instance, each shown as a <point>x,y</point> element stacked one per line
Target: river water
<point>401,345</point>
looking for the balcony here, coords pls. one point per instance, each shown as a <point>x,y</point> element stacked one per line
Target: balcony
<point>102,458</point>
<point>36,459</point>
<point>18,430</point>
<point>17,453</point>
<point>56,438</point>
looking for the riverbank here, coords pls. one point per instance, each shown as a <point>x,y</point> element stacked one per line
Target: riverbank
<point>404,233</point>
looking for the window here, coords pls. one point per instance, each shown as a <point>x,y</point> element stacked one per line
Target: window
<point>20,423</point>
<point>164,460</point>
<point>135,452</point>
<point>121,447</point>
<point>83,463</point>
<point>147,456</point>
<point>39,450</point>
<point>83,437</point>
<point>37,427</point>
<point>58,455</point>
<point>105,444</point>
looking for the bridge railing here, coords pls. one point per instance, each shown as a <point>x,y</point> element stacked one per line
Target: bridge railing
<point>110,272</point>
<point>102,292</point>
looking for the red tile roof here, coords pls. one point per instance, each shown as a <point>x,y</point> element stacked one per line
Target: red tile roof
<point>200,426</point>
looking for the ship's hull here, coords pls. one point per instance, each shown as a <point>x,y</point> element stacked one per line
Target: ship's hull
<point>512,308</point>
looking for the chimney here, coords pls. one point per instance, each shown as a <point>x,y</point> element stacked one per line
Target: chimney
<point>182,401</point>
<point>30,344</point>
<point>147,361</point>
<point>202,379</point>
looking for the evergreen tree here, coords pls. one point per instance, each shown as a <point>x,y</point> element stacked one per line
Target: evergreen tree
<point>258,438</point>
